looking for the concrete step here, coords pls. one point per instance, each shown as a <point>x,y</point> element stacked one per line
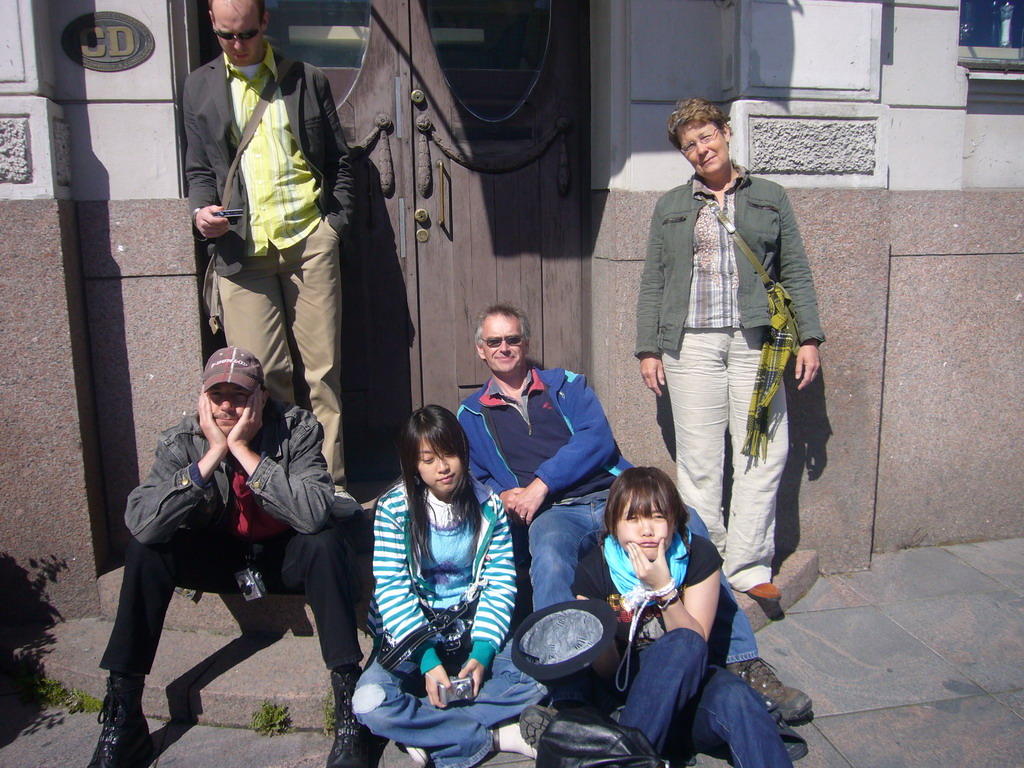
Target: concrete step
<point>219,677</point>
<point>213,679</point>
<point>795,578</point>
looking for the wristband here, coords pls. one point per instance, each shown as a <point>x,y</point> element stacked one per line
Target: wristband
<point>667,600</point>
<point>664,590</point>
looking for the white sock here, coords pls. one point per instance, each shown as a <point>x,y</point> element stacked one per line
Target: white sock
<point>419,756</point>
<point>507,738</point>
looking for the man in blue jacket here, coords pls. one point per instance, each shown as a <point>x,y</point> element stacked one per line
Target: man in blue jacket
<point>541,440</point>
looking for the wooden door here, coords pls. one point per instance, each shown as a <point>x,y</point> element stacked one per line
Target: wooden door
<point>471,117</point>
<point>499,170</point>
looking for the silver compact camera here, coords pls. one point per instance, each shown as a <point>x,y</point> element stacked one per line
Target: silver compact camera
<point>461,689</point>
<point>251,584</point>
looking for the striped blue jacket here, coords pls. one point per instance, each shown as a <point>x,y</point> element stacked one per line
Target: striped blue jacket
<point>395,609</point>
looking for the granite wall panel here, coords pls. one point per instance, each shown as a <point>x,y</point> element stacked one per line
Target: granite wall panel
<point>47,455</point>
<point>826,497</point>
<point>136,238</point>
<point>951,467</point>
<point>144,321</point>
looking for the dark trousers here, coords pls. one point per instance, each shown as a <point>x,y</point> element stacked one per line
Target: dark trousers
<point>677,693</point>
<point>322,566</point>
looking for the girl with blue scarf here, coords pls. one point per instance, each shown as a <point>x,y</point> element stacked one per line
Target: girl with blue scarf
<point>663,583</point>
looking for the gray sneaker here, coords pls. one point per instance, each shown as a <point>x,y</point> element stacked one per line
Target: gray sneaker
<point>792,704</point>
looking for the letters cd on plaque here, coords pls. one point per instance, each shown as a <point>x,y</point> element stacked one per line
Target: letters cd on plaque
<point>106,41</point>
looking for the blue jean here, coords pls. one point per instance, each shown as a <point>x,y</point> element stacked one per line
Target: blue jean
<point>675,684</point>
<point>559,537</point>
<point>732,637</point>
<point>391,705</point>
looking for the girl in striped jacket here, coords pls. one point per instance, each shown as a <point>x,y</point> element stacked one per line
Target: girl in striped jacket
<point>442,549</point>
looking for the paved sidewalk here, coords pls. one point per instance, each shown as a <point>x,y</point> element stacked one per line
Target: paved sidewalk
<point>919,662</point>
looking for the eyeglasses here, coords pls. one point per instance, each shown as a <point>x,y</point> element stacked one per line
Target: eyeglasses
<point>495,341</point>
<point>704,141</point>
<point>249,34</point>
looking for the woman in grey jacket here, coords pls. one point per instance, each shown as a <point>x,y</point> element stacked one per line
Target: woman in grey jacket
<point>701,320</point>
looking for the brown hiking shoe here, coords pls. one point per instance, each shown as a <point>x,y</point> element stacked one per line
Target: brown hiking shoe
<point>793,705</point>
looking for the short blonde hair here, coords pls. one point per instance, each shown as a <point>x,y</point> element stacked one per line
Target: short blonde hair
<point>694,111</point>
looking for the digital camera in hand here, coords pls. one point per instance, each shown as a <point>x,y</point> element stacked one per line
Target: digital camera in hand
<point>461,689</point>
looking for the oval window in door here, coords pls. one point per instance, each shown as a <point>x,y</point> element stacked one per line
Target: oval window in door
<point>330,34</point>
<point>491,51</point>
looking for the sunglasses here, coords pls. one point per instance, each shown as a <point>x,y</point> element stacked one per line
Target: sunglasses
<point>249,34</point>
<point>495,341</point>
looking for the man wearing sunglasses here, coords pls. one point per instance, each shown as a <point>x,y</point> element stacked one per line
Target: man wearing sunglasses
<point>274,281</point>
<point>541,440</point>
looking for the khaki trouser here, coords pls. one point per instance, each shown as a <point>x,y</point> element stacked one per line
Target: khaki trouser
<point>710,382</point>
<point>285,308</point>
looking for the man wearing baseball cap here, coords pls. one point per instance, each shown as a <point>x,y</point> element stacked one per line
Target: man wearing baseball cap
<point>238,500</point>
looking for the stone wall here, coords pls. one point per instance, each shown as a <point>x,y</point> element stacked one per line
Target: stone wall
<point>908,437</point>
<point>139,270</point>
<point>49,467</point>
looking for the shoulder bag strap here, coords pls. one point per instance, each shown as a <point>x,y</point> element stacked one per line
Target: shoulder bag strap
<point>442,621</point>
<point>738,239</point>
<point>250,127</point>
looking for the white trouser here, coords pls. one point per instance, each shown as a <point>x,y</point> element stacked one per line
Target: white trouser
<point>710,381</point>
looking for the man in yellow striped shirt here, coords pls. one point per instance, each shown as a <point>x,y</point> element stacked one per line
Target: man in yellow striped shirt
<point>276,265</point>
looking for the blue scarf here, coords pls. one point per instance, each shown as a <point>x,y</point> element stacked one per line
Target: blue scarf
<point>636,595</point>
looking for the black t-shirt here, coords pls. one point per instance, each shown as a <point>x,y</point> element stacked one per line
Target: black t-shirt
<point>594,580</point>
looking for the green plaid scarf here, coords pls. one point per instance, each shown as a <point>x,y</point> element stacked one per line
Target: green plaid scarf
<point>778,346</point>
<point>781,339</point>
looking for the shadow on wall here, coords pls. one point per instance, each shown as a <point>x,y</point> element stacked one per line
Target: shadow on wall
<point>25,599</point>
<point>111,372</point>
<point>25,591</point>
<point>809,433</point>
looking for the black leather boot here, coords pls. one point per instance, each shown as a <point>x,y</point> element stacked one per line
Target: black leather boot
<point>349,750</point>
<point>124,741</point>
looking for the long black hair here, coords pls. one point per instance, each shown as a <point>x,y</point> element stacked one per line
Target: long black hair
<point>441,431</point>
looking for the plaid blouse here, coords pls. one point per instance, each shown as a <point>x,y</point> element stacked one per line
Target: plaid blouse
<point>714,283</point>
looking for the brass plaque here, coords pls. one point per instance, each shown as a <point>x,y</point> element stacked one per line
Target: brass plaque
<point>106,41</point>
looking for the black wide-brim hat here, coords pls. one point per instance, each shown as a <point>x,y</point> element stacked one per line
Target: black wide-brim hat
<point>563,638</point>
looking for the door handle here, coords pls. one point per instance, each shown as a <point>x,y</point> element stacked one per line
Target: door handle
<point>417,96</point>
<point>440,198</point>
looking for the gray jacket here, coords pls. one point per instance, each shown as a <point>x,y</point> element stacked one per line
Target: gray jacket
<point>291,481</point>
<point>765,220</point>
